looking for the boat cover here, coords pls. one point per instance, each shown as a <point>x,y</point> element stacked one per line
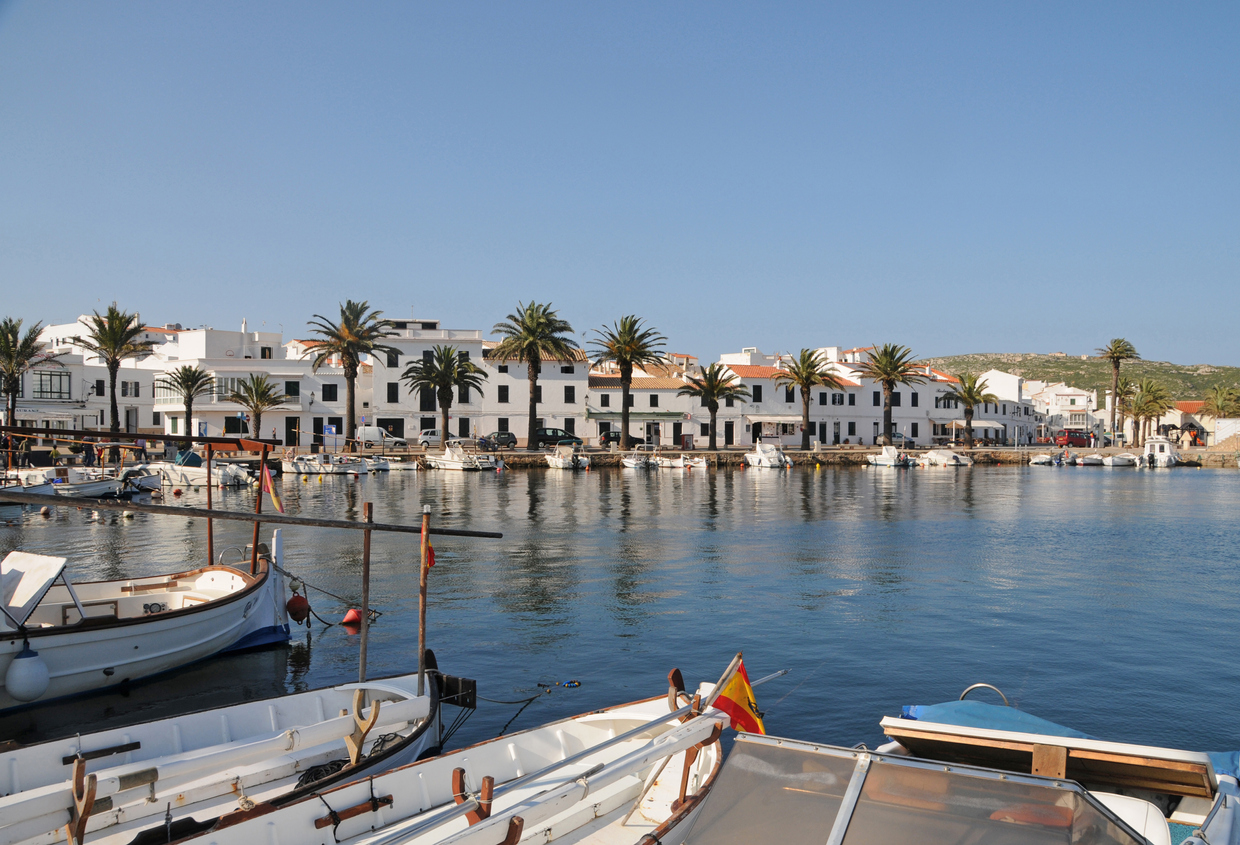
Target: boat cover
<point>995,717</point>
<point>188,459</point>
<point>24,579</point>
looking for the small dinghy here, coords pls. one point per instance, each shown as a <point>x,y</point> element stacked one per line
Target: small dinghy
<point>1041,461</point>
<point>215,762</point>
<point>1126,459</point>
<point>568,456</point>
<point>944,458</point>
<point>63,639</point>
<point>888,457</point>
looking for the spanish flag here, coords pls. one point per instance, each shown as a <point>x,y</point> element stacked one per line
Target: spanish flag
<point>430,550</point>
<point>736,699</point>
<point>269,488</point>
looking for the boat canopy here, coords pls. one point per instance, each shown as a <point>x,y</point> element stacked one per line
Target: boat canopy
<point>24,580</point>
<point>796,793</point>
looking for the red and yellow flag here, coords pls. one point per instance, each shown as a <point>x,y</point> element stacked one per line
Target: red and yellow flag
<point>430,550</point>
<point>738,702</point>
<point>269,488</point>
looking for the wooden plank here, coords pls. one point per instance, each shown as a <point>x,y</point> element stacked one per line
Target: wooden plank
<point>1050,761</point>
<point>141,588</point>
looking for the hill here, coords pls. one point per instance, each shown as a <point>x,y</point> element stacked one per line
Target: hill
<point>1184,381</point>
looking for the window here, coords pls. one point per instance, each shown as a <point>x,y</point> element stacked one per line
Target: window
<point>852,429</point>
<point>427,356</point>
<point>430,326</point>
<point>878,398</point>
<point>790,394</point>
<point>729,402</point>
<point>1005,409</point>
<point>538,393</point>
<point>329,392</point>
<point>503,424</point>
<point>51,386</point>
<point>463,355</point>
<point>570,425</point>
<point>852,399</point>
<point>503,368</point>
<point>462,397</point>
<point>400,325</point>
<point>706,429</point>
<point>393,391</point>
<point>502,395</point>
<point>264,352</point>
<point>822,399</point>
<point>895,399</point>
<point>393,359</point>
<point>236,425</point>
<point>570,394</point>
<point>124,388</point>
<point>631,399</point>
<point>914,399</point>
<point>173,420</point>
<point>462,426</point>
<point>604,400</point>
<point>1071,401</point>
<point>757,393</point>
<point>603,428</point>
<point>654,400</point>
<point>837,398</point>
<point>702,399</point>
<point>100,388</point>
<point>912,428</point>
<point>568,368</point>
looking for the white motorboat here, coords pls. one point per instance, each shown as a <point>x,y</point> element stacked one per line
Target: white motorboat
<point>1041,461</point>
<point>767,456</point>
<point>944,458</point>
<point>142,478</point>
<point>1090,461</point>
<point>402,465</point>
<point>322,463</point>
<point>95,488</point>
<point>639,458</point>
<point>377,464</point>
<point>616,775</point>
<point>456,456</point>
<point>696,463</point>
<point>1126,459</point>
<point>888,457</point>
<point>213,762</point>
<point>65,639</point>
<point>1159,452</point>
<point>67,481</point>
<point>568,456</point>
<point>1119,792</point>
<point>668,461</point>
<point>222,474</point>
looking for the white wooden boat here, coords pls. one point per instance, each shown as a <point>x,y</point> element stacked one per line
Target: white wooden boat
<point>944,458</point>
<point>215,762</point>
<point>1126,459</point>
<point>1041,461</point>
<point>696,463</point>
<point>402,465</point>
<point>1160,452</point>
<point>222,474</point>
<point>377,464</point>
<point>767,456</point>
<point>669,462</point>
<point>456,456</point>
<point>1090,461</point>
<point>888,457</point>
<point>67,481</point>
<point>142,478</point>
<point>322,464</point>
<point>573,782</point>
<point>94,635</point>
<point>95,488</point>
<point>639,458</point>
<point>567,456</point>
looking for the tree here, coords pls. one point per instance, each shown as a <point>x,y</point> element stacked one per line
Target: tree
<point>1150,403</point>
<point>1117,352</point>
<point>112,338</point>
<point>629,345</point>
<point>189,383</point>
<point>715,384</point>
<point>1220,402</point>
<point>19,353</point>
<point>970,392</point>
<point>890,365</point>
<point>446,371</point>
<point>359,332</point>
<point>806,372</point>
<point>1125,390</point>
<point>532,334</point>
<point>257,394</point>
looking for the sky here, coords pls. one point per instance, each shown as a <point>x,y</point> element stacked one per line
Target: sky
<point>954,177</point>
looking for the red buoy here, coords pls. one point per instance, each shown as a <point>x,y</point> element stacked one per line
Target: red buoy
<point>176,492</point>
<point>298,608</point>
<point>353,617</point>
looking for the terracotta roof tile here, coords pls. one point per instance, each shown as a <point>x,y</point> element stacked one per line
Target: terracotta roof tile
<point>578,356</point>
<point>1190,407</point>
<point>754,370</point>
<point>604,382</point>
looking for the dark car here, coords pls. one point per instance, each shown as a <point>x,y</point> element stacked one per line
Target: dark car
<point>498,440</point>
<point>1071,437</point>
<point>554,437</point>
<point>613,436</point>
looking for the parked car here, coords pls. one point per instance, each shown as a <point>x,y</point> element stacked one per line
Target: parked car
<point>553,437</point>
<point>429,437</point>
<point>497,440</point>
<point>613,436</point>
<point>373,437</point>
<point>1071,437</point>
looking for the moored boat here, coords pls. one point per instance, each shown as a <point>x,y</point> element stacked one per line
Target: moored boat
<point>639,458</point>
<point>767,456</point>
<point>888,457</point>
<point>323,463</point>
<point>1125,459</point>
<point>1159,452</point>
<point>1091,461</point>
<point>944,458</point>
<point>567,456</point>
<point>456,456</point>
<point>377,464</point>
<point>1041,461</point>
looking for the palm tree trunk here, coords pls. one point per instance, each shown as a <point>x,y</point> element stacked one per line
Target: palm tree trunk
<point>968,426</point>
<point>189,424</point>
<point>1114,393</point>
<point>10,408</point>
<point>624,410</point>
<point>257,429</point>
<point>533,376</point>
<point>887,389</point>
<point>114,454</point>
<point>350,418</point>
<point>804,420</point>
<point>444,408</point>
<point>713,442</point>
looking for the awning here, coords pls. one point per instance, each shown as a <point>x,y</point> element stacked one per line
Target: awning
<point>960,424</point>
<point>774,418</point>
<point>637,416</point>
<point>49,414</point>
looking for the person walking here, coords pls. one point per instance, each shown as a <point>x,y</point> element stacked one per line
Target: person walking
<point>140,445</point>
<point>23,452</point>
<point>88,451</point>
<point>54,455</point>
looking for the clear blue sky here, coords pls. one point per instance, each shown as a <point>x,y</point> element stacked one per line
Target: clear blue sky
<point>954,177</point>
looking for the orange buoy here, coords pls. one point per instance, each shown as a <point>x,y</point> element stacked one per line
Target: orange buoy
<point>351,627</point>
<point>353,617</point>
<point>176,492</point>
<point>298,608</point>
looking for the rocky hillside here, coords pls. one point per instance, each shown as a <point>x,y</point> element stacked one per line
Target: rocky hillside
<point>1184,381</point>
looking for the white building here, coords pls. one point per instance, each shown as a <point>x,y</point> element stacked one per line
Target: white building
<point>1066,407</point>
<point>561,396</point>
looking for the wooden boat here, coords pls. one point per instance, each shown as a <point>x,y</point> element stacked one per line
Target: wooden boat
<point>377,464</point>
<point>456,456</point>
<point>768,456</point>
<point>214,762</point>
<point>568,456</point>
<point>64,639</point>
<point>620,774</point>
<point>1125,459</point>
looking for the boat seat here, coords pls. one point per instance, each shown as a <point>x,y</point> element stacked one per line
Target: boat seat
<point>1141,816</point>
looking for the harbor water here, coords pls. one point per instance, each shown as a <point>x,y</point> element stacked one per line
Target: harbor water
<point>1102,599</point>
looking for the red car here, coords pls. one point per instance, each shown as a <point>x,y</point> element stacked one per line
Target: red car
<point>1068,437</point>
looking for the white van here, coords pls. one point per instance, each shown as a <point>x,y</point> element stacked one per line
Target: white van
<point>373,437</point>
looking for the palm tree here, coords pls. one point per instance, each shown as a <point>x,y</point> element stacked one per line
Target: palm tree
<point>1117,352</point>
<point>531,335</point>
<point>113,337</point>
<point>629,345</point>
<point>445,371</point>
<point>970,392</point>
<point>806,372</point>
<point>257,393</point>
<point>189,383</point>
<point>18,354</point>
<point>1125,390</point>
<point>713,385</point>
<point>892,364</point>
<point>359,332</point>
<point>1150,403</point>
<point>1220,402</point>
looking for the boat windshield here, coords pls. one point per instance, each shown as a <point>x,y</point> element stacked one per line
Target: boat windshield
<point>774,790</point>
